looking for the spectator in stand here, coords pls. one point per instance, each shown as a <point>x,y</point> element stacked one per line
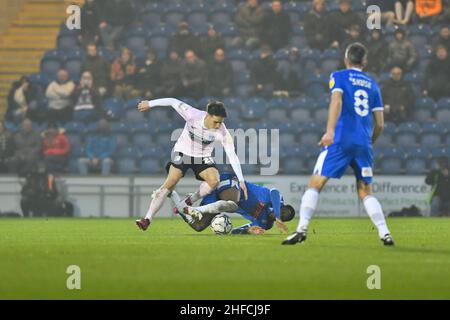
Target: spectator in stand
<point>116,15</point>
<point>249,20</point>
<point>316,26</point>
<point>7,149</point>
<point>442,39</point>
<point>401,52</point>
<point>264,73</point>
<point>193,76</point>
<point>211,43</point>
<point>276,27</point>
<point>171,76</point>
<point>123,75</point>
<point>220,76</point>
<point>100,149</point>
<point>398,97</point>
<point>98,67</point>
<point>292,74</point>
<point>387,11</point>
<point>90,14</point>
<point>437,75</point>
<point>444,17</point>
<point>439,179</point>
<point>403,11</point>
<point>184,40</point>
<point>339,23</point>
<point>59,94</point>
<point>427,10</point>
<point>24,101</point>
<point>378,52</point>
<point>353,35</point>
<point>28,149</point>
<point>87,101</point>
<point>149,75</point>
<point>55,148</point>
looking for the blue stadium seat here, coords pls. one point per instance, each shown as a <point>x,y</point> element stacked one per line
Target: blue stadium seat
<point>277,115</point>
<point>416,161</point>
<point>67,43</point>
<point>126,166</point>
<point>120,127</point>
<point>424,109</point>
<point>197,18</point>
<point>288,139</point>
<point>40,79</point>
<point>291,165</point>
<point>392,162</point>
<point>160,45</point>
<point>443,110</point>
<point>122,140</point>
<point>73,67</point>
<point>438,152</point>
<point>173,18</point>
<point>75,140</point>
<point>151,19</point>
<point>407,134</point>
<point>74,127</point>
<point>431,135</point>
<point>114,108</point>
<point>300,115</point>
<point>51,63</point>
<point>134,116</point>
<point>77,152</point>
<point>129,152</point>
<point>136,40</point>
<point>419,35</point>
<point>311,59</point>
<point>321,115</point>
<point>142,140</point>
<point>220,18</point>
<point>310,134</point>
<point>151,166</point>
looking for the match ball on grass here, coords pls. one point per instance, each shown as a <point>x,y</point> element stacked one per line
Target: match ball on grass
<point>221,224</point>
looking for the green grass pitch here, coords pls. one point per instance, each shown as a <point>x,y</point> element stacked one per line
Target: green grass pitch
<point>170,261</point>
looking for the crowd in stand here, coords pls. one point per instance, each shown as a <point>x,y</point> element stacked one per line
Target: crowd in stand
<point>196,67</point>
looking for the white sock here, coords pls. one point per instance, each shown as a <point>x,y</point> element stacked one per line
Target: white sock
<point>218,207</point>
<point>307,208</point>
<point>158,198</point>
<point>375,212</point>
<point>203,191</point>
<point>179,204</point>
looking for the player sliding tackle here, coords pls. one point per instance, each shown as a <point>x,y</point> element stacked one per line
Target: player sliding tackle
<point>263,208</point>
<point>193,150</point>
<point>355,100</point>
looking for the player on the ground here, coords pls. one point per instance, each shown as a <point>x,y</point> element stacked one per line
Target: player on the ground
<point>263,208</point>
<point>355,100</point>
<point>193,150</point>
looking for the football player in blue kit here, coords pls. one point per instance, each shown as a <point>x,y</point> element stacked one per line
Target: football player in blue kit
<point>263,208</point>
<point>355,103</point>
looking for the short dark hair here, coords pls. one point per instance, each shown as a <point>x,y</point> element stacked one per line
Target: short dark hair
<point>356,53</point>
<point>216,108</point>
<point>287,213</point>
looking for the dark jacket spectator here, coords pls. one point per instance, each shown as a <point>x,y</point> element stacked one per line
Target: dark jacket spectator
<point>442,39</point>
<point>440,181</point>
<point>354,35</point>
<point>437,74</point>
<point>249,21</point>
<point>149,75</point>
<point>316,26</point>
<point>171,76</point>
<point>86,100</point>
<point>116,15</point>
<point>59,93</point>
<point>55,148</point>
<point>123,75</point>
<point>90,20</point>
<point>7,149</point>
<point>193,75</point>
<point>220,76</point>
<point>292,73</point>
<point>28,148</point>
<point>378,52</point>
<point>210,44</point>
<point>264,73</point>
<point>184,40</point>
<point>100,149</point>
<point>98,67</point>
<point>339,22</point>
<point>402,52</point>
<point>24,101</point>
<point>276,27</point>
<point>398,97</point>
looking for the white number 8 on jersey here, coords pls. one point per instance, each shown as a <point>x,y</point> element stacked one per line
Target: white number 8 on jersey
<point>361,103</point>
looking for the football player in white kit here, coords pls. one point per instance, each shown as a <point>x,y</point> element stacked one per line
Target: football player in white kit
<point>193,150</point>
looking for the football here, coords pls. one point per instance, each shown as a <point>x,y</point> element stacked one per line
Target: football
<point>221,224</point>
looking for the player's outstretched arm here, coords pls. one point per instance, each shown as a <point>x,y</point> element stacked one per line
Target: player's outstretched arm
<point>333,115</point>
<point>227,143</point>
<point>275,199</point>
<point>183,109</point>
<point>379,125</point>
